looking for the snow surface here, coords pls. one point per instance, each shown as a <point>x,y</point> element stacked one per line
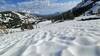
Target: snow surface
<point>87,17</point>
<point>69,38</point>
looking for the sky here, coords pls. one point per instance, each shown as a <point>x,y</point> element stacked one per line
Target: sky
<point>38,6</point>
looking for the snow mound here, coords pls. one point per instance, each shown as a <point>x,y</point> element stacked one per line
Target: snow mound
<point>69,38</point>
<point>91,17</point>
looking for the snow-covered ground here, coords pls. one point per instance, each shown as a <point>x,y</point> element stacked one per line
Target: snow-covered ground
<point>69,38</point>
<point>87,17</point>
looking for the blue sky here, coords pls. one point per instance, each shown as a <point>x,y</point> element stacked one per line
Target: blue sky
<point>19,1</point>
<point>38,6</point>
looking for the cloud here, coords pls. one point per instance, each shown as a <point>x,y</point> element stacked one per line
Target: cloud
<point>40,6</point>
<point>2,2</point>
<point>64,6</point>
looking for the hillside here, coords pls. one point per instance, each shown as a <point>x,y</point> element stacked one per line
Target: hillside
<point>13,19</point>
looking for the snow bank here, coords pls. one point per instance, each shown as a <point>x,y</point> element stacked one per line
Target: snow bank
<point>87,17</point>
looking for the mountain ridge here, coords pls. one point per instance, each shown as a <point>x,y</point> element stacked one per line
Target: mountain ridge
<point>18,17</point>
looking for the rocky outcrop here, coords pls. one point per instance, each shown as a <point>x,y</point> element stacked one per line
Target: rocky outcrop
<point>13,19</point>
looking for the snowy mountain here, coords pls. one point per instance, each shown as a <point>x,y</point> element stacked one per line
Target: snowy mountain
<point>67,38</point>
<point>14,19</point>
<point>78,10</point>
<point>94,9</point>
